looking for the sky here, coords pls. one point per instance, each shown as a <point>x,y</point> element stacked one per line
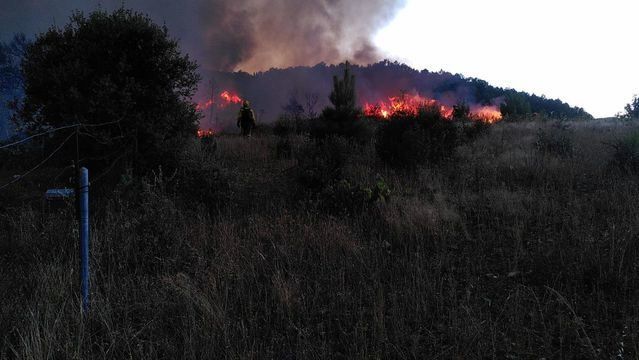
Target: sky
<point>583,52</point>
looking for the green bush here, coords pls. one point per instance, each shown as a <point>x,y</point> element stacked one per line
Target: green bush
<point>199,178</point>
<point>475,129</point>
<point>323,185</point>
<point>558,141</point>
<point>407,141</point>
<point>320,162</point>
<point>283,148</point>
<point>346,198</point>
<point>341,123</point>
<point>344,118</point>
<point>149,225</point>
<point>632,109</point>
<point>123,77</point>
<point>626,154</point>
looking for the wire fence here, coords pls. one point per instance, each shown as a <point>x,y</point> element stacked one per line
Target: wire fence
<point>51,131</point>
<point>47,132</point>
<point>20,177</point>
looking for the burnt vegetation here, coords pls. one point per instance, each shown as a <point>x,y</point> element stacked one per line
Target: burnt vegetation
<point>325,235</point>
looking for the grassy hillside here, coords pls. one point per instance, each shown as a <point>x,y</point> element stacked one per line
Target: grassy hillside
<point>524,245</point>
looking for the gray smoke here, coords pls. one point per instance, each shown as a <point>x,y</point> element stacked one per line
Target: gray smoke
<point>251,35</point>
<point>258,34</point>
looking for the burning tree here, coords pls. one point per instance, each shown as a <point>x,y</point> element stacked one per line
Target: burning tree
<point>118,69</point>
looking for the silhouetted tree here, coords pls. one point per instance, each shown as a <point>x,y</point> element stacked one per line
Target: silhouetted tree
<point>343,118</point>
<point>11,55</point>
<point>112,67</point>
<point>309,107</point>
<point>293,108</point>
<point>632,109</point>
<point>409,140</point>
<point>461,111</point>
<point>343,95</point>
<point>515,104</point>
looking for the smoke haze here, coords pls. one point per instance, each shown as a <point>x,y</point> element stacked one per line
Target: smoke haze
<point>250,35</point>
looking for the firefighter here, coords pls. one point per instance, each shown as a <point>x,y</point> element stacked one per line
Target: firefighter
<point>246,119</point>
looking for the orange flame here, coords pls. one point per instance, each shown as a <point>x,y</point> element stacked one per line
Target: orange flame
<point>488,114</point>
<point>405,104</point>
<point>204,105</point>
<point>410,104</point>
<point>205,133</point>
<point>226,98</point>
<point>230,98</point>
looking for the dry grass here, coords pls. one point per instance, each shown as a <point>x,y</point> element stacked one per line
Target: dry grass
<point>506,252</point>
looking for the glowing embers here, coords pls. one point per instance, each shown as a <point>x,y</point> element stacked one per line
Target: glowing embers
<point>202,133</point>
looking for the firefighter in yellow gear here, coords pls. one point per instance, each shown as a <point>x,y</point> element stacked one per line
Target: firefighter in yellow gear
<point>246,119</point>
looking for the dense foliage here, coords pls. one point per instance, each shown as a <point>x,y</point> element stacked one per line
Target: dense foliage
<point>11,54</point>
<point>343,118</point>
<point>407,141</point>
<point>632,109</point>
<point>626,154</point>
<point>112,68</point>
<point>517,104</point>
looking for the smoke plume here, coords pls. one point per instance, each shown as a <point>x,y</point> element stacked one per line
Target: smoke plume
<point>255,34</point>
<point>250,35</point>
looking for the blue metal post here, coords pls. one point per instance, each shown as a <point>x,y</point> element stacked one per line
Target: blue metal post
<point>84,238</point>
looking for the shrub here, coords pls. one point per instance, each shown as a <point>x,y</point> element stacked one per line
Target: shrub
<point>284,126</point>
<point>461,111</point>
<point>341,123</point>
<point>632,109</point>
<point>626,154</point>
<point>475,129</point>
<point>117,70</point>
<point>320,162</point>
<point>558,141</point>
<point>343,119</point>
<point>283,148</point>
<point>407,141</point>
<point>199,178</point>
<point>287,125</point>
<point>346,198</point>
<point>149,229</point>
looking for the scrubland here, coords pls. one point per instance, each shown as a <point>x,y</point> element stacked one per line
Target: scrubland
<point>524,244</point>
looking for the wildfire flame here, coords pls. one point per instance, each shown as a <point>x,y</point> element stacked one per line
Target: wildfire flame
<point>489,114</point>
<point>205,133</point>
<point>225,99</point>
<point>405,104</point>
<point>230,98</point>
<point>410,104</point>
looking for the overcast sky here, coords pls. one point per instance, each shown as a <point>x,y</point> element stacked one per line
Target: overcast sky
<point>583,52</point>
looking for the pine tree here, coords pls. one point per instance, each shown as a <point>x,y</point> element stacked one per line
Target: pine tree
<point>343,119</point>
<point>343,94</point>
